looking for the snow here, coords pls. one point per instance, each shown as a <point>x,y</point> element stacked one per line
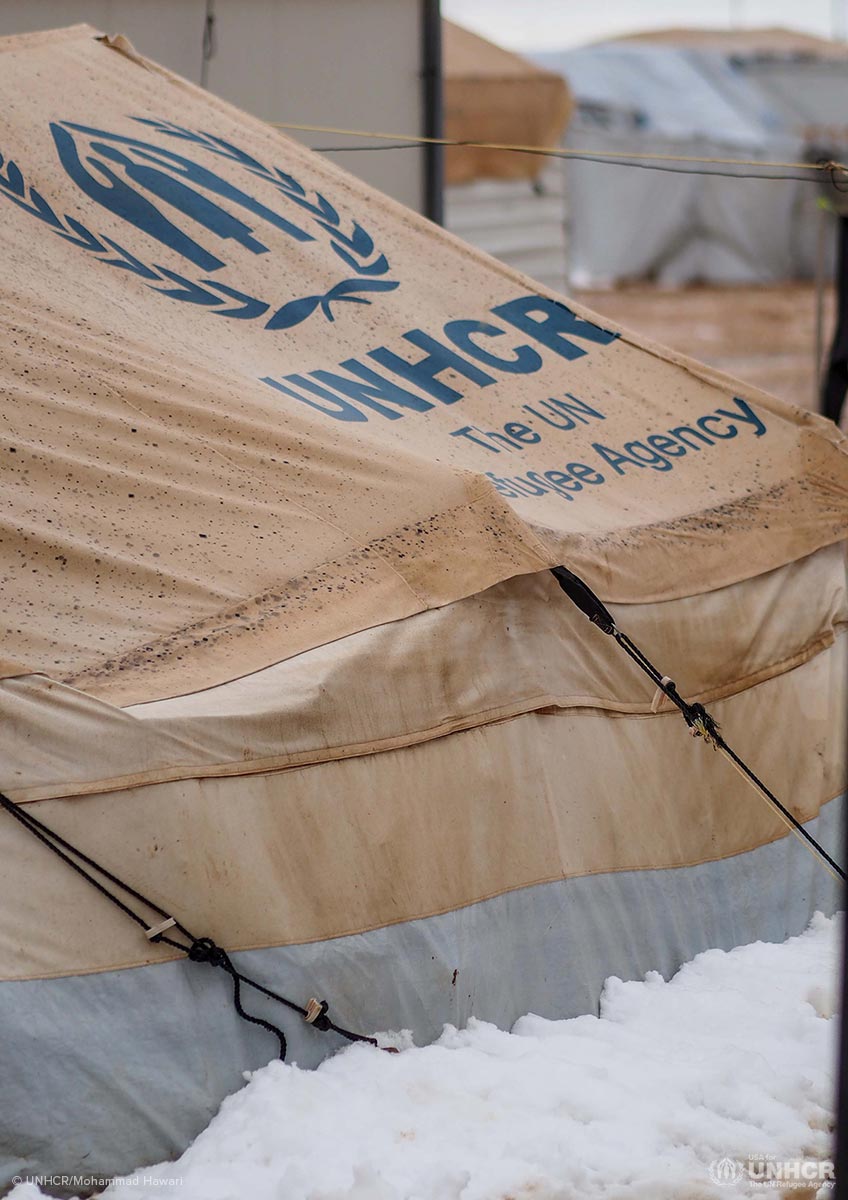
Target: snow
<point>733,1057</point>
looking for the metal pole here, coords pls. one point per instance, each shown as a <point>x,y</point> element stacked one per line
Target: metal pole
<point>208,42</point>
<point>835,381</point>
<point>432,103</point>
<point>820,273</point>
<point>841,1152</point>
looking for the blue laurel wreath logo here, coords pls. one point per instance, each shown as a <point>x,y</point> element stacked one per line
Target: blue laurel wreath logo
<point>131,177</point>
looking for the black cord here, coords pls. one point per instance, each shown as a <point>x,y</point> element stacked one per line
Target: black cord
<point>199,950</point>
<point>699,720</point>
<point>603,160</point>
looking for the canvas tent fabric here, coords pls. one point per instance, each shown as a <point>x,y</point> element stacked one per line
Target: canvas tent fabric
<point>284,470</point>
<point>811,93</point>
<point>667,99</point>
<point>493,95</point>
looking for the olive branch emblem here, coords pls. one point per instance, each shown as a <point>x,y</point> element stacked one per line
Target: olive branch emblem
<point>352,244</point>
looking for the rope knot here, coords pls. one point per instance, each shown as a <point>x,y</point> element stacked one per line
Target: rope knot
<point>204,950</point>
<point>316,1014</point>
<point>702,724</point>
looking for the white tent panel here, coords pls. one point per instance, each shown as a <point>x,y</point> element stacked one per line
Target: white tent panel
<point>629,222</point>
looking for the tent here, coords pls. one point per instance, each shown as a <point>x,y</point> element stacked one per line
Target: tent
<point>764,42</point>
<point>510,205</point>
<point>285,470</point>
<point>669,99</point>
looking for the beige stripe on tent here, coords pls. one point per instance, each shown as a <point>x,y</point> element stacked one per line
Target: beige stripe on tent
<point>396,836</point>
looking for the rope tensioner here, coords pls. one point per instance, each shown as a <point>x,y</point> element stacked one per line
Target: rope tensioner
<point>699,721</point>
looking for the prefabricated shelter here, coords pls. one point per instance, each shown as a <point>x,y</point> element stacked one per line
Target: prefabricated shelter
<point>675,223</point>
<point>309,62</point>
<point>284,472</point>
<point>509,204</point>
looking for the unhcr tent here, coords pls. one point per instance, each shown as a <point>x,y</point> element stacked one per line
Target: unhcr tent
<point>285,468</point>
<point>510,205</point>
<point>764,42</point>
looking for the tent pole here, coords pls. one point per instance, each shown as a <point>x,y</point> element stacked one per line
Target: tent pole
<point>841,1132</point>
<point>820,272</point>
<point>433,109</point>
<point>208,42</point>
<point>836,378</point>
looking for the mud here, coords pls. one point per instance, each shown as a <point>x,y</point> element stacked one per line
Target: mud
<point>765,335</point>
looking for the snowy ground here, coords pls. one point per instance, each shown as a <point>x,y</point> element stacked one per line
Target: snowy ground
<point>733,1059</point>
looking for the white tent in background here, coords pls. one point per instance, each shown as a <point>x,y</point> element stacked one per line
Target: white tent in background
<point>510,205</point>
<point>668,99</point>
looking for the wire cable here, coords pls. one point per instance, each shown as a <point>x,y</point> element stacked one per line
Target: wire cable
<point>701,724</point>
<point>635,158</point>
<point>604,162</point>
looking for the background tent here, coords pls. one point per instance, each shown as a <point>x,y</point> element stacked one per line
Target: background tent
<point>510,205</point>
<point>674,94</point>
<point>765,42</point>
<point>285,468</point>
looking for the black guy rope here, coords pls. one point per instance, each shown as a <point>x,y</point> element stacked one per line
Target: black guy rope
<point>812,174</point>
<point>197,949</point>
<point>700,722</point>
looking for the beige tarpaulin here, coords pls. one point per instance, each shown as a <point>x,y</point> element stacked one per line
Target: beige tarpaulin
<point>493,95</point>
<point>252,407</point>
<point>322,797</point>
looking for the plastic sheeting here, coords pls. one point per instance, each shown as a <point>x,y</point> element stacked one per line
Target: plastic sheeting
<point>627,223</point>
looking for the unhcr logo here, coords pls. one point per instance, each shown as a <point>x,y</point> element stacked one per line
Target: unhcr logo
<point>726,1171</point>
<point>768,1172</point>
<point>180,201</point>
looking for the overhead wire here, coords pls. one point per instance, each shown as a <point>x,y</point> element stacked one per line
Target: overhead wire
<point>675,163</point>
